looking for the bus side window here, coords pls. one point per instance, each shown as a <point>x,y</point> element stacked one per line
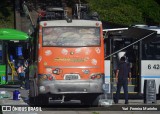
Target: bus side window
<point>157,54</point>
<point>149,48</point>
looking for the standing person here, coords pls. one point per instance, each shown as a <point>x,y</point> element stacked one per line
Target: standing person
<point>26,75</point>
<point>21,74</point>
<point>122,79</point>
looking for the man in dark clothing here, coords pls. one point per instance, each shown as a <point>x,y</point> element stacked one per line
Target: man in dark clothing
<point>26,70</point>
<point>122,79</point>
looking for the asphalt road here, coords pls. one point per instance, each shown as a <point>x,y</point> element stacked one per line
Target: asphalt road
<point>73,107</point>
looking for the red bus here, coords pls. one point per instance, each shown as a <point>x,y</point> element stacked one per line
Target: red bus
<point>70,62</point>
<point>67,57</point>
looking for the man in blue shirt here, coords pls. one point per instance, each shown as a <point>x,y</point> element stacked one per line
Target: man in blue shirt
<point>122,79</point>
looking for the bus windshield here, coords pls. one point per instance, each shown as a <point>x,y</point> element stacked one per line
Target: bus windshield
<point>71,36</point>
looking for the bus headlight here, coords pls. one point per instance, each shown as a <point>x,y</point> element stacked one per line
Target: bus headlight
<point>42,89</point>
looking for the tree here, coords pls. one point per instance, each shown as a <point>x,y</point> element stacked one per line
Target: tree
<point>150,11</point>
<point>127,12</point>
<point>6,14</point>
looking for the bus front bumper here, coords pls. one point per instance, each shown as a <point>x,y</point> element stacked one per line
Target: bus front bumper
<point>70,86</point>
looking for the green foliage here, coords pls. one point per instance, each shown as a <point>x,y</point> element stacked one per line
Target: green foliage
<point>150,10</point>
<point>7,19</point>
<point>127,12</point>
<point>95,112</point>
<point>6,15</point>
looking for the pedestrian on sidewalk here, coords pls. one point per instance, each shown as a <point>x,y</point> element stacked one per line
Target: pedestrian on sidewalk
<point>21,75</point>
<point>26,70</point>
<point>122,74</point>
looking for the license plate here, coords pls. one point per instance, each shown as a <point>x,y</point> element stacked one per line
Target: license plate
<point>71,77</point>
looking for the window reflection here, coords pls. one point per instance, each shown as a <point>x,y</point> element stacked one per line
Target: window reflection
<point>71,36</point>
<point>151,51</point>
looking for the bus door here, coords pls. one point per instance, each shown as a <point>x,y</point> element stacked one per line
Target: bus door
<point>7,62</point>
<point>107,63</point>
<point>131,53</point>
<point>2,64</point>
<point>17,54</point>
<point>13,46</point>
<point>123,42</point>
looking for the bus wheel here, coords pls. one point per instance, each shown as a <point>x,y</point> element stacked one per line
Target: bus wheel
<point>96,100</point>
<point>31,100</point>
<point>31,90</point>
<point>44,99</point>
<point>35,101</point>
<point>86,102</point>
<point>31,93</point>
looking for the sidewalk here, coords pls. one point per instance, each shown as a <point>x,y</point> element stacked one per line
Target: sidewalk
<point>9,101</point>
<point>136,102</point>
<point>134,105</point>
<point>24,98</point>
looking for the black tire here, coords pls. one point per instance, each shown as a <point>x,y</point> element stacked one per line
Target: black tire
<point>44,99</point>
<point>33,99</point>
<point>91,100</point>
<point>95,102</point>
<point>31,93</point>
<point>41,100</point>
<point>31,90</point>
<point>86,102</point>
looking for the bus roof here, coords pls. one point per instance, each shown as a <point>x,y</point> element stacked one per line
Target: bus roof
<point>114,29</point>
<point>154,28</point>
<point>12,34</point>
<point>84,23</point>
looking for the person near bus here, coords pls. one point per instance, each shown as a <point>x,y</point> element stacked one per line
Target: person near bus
<point>122,73</point>
<point>21,75</point>
<point>26,75</point>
